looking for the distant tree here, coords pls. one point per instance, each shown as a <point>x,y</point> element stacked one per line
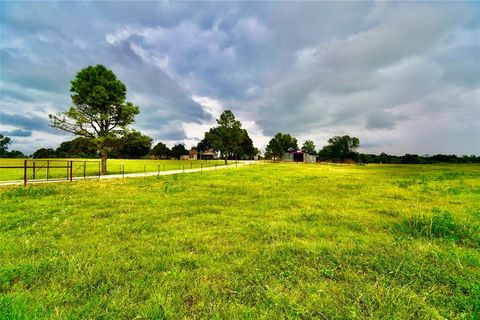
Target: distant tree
<point>15,154</point>
<point>280,144</point>
<point>340,147</point>
<point>161,151</point>
<point>309,147</point>
<point>99,110</point>
<point>77,148</point>
<point>4,142</point>
<point>247,150</point>
<point>411,159</point>
<point>4,153</point>
<point>203,145</point>
<point>384,158</point>
<point>228,137</point>
<point>179,150</point>
<point>134,144</point>
<point>44,153</point>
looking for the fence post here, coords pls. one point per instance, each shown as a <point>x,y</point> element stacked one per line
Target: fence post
<point>48,168</point>
<point>33,171</point>
<point>85,170</point>
<point>71,170</point>
<point>99,170</point>
<point>68,169</point>
<point>158,169</point>
<point>25,173</point>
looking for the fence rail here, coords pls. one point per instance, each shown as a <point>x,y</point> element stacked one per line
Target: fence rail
<point>41,170</point>
<point>47,170</point>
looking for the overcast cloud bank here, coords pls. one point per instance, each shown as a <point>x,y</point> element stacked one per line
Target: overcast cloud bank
<point>403,77</point>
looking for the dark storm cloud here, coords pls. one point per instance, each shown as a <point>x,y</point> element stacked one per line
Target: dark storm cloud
<point>17,133</point>
<point>312,68</point>
<point>27,123</point>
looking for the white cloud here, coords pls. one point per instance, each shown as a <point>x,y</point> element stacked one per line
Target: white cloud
<point>150,57</point>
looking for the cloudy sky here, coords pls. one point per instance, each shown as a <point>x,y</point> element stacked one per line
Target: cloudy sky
<point>403,77</point>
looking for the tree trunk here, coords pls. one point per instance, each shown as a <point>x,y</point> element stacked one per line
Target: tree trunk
<point>104,163</point>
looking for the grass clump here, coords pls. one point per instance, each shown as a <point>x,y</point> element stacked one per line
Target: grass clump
<point>441,225</point>
<point>30,191</point>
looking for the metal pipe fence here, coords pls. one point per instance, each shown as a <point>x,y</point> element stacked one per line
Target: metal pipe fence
<point>38,170</point>
<point>50,170</point>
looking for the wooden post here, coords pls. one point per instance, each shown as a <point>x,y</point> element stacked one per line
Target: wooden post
<point>25,173</point>
<point>158,169</point>
<point>71,170</point>
<point>48,168</point>
<point>99,170</point>
<point>68,170</point>
<point>33,170</point>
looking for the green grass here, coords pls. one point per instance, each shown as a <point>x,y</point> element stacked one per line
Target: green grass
<point>114,166</point>
<point>268,241</point>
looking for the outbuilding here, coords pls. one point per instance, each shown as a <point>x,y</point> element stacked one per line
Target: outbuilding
<point>299,156</point>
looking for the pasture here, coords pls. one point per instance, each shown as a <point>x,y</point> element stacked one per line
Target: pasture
<point>270,241</point>
<point>59,168</point>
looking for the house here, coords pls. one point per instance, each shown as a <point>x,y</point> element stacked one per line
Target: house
<point>208,155</point>
<point>193,154</point>
<point>299,156</point>
<point>211,154</point>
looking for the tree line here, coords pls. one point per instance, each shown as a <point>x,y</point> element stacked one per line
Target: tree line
<point>344,149</point>
<point>100,118</point>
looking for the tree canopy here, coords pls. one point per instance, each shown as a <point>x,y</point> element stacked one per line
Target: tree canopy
<point>309,147</point>
<point>4,142</point>
<point>133,145</point>
<point>229,138</point>
<point>44,153</point>
<point>340,147</point>
<point>99,110</point>
<point>79,147</point>
<point>280,144</point>
<point>4,153</point>
<point>179,150</point>
<point>161,151</point>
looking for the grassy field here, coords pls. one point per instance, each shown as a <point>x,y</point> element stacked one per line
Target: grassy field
<point>59,168</point>
<point>268,241</point>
